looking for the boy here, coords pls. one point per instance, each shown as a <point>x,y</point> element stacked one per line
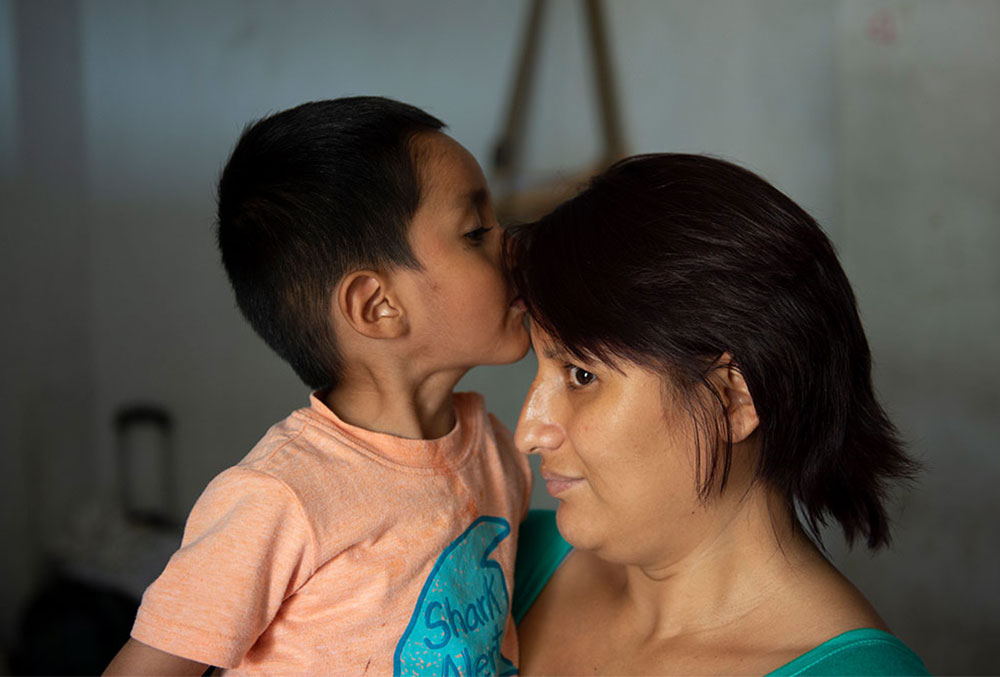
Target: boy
<point>373,531</point>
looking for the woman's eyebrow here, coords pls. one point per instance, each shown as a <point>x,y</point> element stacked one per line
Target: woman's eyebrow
<point>476,197</point>
<point>555,353</point>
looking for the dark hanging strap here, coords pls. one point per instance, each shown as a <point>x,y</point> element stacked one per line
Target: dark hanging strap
<point>506,157</point>
<point>507,154</point>
<point>604,79</point>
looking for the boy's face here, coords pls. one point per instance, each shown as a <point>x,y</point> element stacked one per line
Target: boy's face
<point>459,306</point>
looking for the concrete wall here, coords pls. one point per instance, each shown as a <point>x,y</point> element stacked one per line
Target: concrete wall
<point>47,417</point>
<point>919,166</point>
<point>117,115</point>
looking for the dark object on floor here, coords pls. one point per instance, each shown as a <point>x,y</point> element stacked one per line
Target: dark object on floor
<point>72,628</point>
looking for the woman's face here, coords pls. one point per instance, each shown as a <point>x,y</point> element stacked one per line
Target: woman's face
<point>618,452</point>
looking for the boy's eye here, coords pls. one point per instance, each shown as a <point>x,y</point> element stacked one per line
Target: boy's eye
<point>478,235</point>
<point>579,378</point>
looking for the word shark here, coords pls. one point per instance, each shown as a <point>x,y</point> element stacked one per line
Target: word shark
<point>458,625</point>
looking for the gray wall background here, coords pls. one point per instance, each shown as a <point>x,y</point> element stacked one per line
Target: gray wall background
<point>115,116</point>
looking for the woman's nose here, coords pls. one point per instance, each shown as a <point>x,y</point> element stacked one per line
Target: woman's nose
<point>537,428</point>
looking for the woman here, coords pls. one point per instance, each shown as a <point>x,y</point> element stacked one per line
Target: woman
<point>703,406</point>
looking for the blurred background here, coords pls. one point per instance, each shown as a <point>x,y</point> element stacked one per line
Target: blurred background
<point>121,340</point>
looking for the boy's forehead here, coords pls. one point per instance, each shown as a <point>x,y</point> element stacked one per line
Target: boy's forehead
<point>448,171</point>
<point>452,188</point>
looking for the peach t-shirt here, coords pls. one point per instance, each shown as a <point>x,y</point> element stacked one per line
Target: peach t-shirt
<point>335,550</point>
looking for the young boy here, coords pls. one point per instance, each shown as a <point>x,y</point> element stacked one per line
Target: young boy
<point>373,531</point>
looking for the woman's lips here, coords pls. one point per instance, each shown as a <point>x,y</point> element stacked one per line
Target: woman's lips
<point>556,484</point>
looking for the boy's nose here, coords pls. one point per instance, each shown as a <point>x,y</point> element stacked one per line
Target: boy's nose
<point>537,429</point>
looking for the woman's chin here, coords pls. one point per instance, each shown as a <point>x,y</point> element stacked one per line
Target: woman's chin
<point>575,528</point>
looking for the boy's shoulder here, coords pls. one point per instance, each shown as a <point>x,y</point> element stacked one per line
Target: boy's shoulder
<point>284,446</point>
<point>314,434</point>
<point>510,466</point>
<point>329,467</point>
<point>312,449</point>
<point>307,453</point>
<point>497,432</point>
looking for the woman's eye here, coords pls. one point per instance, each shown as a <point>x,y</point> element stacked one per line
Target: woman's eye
<point>478,235</point>
<point>579,377</point>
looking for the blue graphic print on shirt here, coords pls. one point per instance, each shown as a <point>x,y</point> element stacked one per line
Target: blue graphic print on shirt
<point>458,625</point>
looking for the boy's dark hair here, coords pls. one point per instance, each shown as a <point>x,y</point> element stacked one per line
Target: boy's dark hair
<point>308,195</point>
<point>669,261</point>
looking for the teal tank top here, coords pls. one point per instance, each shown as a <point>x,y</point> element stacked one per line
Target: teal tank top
<point>867,651</point>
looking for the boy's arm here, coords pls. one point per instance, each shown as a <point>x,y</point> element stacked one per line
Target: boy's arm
<point>136,658</point>
<point>247,546</point>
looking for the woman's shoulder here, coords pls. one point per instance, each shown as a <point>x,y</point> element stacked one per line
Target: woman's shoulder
<point>540,551</point>
<point>866,651</point>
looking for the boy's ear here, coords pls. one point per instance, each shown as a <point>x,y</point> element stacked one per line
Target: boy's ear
<point>368,306</point>
<point>737,399</point>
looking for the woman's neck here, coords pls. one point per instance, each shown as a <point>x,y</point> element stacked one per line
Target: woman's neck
<point>722,576</point>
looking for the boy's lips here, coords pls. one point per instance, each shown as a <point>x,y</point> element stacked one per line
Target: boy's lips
<point>556,484</point>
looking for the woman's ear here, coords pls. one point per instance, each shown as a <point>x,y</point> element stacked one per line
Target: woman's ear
<point>367,305</point>
<point>737,400</point>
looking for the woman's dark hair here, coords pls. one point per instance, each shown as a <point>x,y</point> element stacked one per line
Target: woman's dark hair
<point>308,195</point>
<point>670,261</point>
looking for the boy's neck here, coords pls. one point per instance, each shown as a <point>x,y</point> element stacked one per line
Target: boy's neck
<point>419,409</point>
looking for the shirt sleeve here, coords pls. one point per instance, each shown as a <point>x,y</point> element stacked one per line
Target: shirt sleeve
<point>247,546</point>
